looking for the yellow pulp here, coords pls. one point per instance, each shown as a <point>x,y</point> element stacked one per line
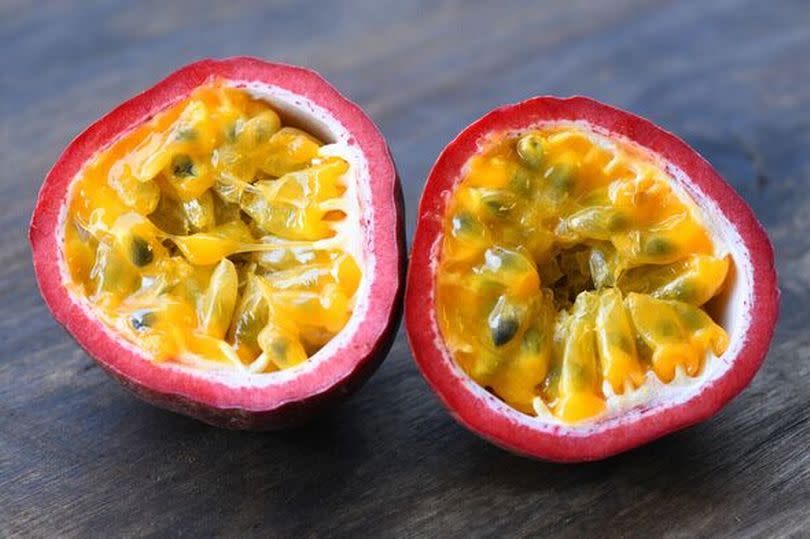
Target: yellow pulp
<point>208,235</point>
<point>570,269</point>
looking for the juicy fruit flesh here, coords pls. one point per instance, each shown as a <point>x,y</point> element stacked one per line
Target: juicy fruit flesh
<point>572,272</point>
<point>215,236</point>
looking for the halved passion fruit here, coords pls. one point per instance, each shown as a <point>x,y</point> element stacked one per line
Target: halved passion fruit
<point>583,282</point>
<point>228,244</point>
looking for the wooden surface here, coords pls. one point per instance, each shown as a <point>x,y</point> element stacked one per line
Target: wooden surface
<point>80,457</point>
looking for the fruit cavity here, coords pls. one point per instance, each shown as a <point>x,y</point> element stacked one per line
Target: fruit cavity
<point>217,236</point>
<point>573,271</point>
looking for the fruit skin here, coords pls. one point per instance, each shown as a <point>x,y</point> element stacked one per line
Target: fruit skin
<point>495,421</point>
<point>272,401</point>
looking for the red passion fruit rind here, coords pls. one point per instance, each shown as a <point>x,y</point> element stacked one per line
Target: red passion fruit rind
<point>748,313</point>
<point>228,398</point>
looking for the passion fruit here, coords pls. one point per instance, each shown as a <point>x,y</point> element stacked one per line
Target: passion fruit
<point>228,244</point>
<point>583,282</point>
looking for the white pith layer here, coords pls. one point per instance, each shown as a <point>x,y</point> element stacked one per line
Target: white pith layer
<point>353,235</point>
<point>735,317</point>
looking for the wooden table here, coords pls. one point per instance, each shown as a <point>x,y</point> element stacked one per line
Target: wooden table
<point>80,457</point>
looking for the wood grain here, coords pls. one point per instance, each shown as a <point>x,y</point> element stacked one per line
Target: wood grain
<point>80,457</point>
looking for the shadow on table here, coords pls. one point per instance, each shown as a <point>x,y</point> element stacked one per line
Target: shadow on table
<point>351,459</point>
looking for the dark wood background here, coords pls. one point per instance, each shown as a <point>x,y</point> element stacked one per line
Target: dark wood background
<point>80,457</point>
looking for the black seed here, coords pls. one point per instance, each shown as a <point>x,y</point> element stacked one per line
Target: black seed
<point>532,340</point>
<point>521,182</point>
<point>560,177</point>
<point>279,347</point>
<point>667,329</point>
<point>657,246</point>
<point>582,376</point>
<point>261,134</point>
<point>503,329</point>
<point>530,151</point>
<point>643,349</point>
<point>622,342</point>
<point>690,316</point>
<point>182,166</point>
<point>186,134</point>
<point>142,320</point>
<point>498,207</point>
<point>140,251</point>
<point>684,291</point>
<point>230,132</point>
<point>617,222</point>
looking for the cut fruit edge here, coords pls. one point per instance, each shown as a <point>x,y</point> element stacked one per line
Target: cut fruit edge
<point>351,356</point>
<point>753,301</point>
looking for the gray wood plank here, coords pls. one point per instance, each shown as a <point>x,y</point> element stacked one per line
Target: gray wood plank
<point>80,457</point>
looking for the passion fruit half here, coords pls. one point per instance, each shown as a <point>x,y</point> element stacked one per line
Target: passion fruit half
<point>583,282</point>
<point>228,244</point>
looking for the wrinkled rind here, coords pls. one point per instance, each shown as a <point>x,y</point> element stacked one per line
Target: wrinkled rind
<point>495,421</point>
<point>273,406</point>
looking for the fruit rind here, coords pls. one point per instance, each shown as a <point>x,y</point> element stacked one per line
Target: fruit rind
<point>248,402</point>
<point>494,420</point>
